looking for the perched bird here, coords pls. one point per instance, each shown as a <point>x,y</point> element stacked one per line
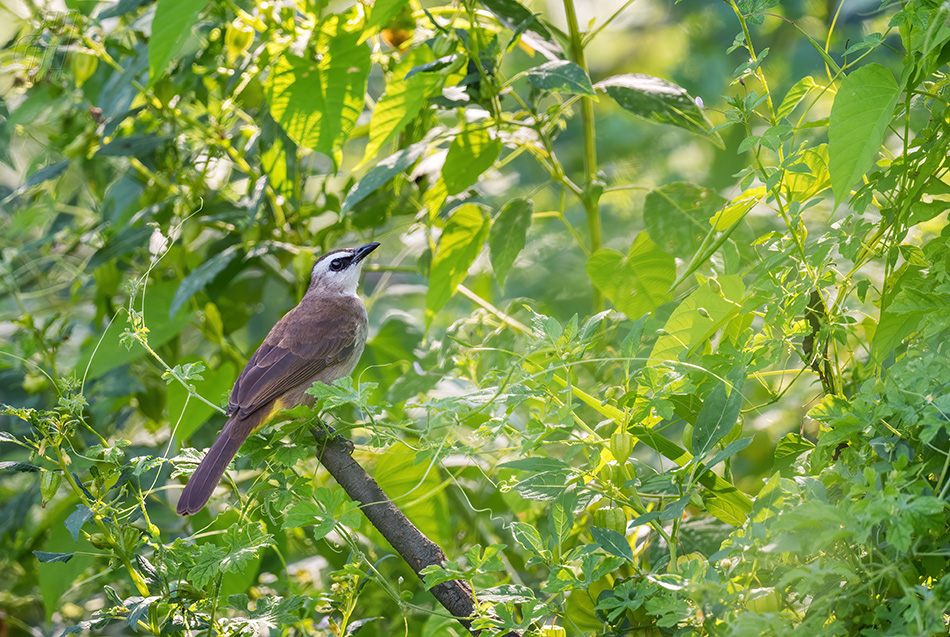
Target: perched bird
<point>319,340</point>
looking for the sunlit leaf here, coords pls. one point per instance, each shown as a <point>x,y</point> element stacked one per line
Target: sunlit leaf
<point>560,76</point>
<point>677,215</point>
<point>472,152</point>
<point>636,283</point>
<point>719,299</point>
<point>659,101</point>
<point>399,105</point>
<point>171,26</point>
<point>508,235</point>
<point>317,101</point>
<point>719,414</point>
<point>461,241</point>
<point>612,542</point>
<point>863,108</point>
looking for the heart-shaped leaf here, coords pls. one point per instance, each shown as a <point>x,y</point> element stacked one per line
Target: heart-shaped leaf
<point>637,283</point>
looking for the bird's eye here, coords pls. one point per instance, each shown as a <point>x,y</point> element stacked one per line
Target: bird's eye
<point>336,265</point>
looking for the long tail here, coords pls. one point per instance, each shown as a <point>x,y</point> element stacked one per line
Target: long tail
<point>206,477</point>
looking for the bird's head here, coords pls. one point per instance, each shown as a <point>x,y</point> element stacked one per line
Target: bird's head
<point>339,271</point>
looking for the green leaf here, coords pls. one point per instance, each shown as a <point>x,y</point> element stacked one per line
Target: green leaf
<point>527,536</point>
<point>790,447</point>
<point>677,215</point>
<point>862,110</point>
<point>76,519</point>
<point>56,576</point>
<point>612,542</point>
<point>461,241</point>
<point>171,26</point>
<point>562,516</point>
<point>137,607</point>
<point>207,565</point>
<point>516,17</point>
<point>215,388</point>
<point>560,76</point>
<point>730,450</point>
<point>382,173</point>
<point>805,185</point>
<point>472,152</point>
<point>382,13</point>
<point>109,353</point>
<point>719,299</point>
<point>659,101</point>
<point>317,102</point>
<point>197,279</point>
<point>419,489</point>
<point>131,146</point>
<point>637,283</point>
<point>794,96</point>
<point>45,557</point>
<point>719,414</point>
<point>508,234</point>
<point>23,467</point>
<point>769,499</point>
<point>891,331</point>
<point>399,105</point>
<point>732,213</point>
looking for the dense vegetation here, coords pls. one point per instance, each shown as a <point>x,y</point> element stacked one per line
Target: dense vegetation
<point>659,324</point>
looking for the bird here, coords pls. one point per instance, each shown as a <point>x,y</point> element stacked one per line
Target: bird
<point>321,339</point>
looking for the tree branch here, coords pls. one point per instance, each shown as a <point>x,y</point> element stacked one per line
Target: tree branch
<point>412,545</point>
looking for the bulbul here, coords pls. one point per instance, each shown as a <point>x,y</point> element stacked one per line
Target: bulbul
<point>319,340</point>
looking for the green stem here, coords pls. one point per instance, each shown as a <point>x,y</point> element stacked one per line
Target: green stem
<point>591,200</point>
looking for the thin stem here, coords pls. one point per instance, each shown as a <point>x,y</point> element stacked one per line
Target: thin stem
<point>591,199</point>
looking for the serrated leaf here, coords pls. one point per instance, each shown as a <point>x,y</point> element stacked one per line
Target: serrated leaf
<point>862,110</point>
<point>611,541</point>
<point>171,26</point>
<point>382,173</point>
<point>718,415</point>
<point>317,103</point>
<point>659,101</point>
<point>399,105</point>
<point>637,283</point>
<point>197,279</point>
<point>22,467</point>
<point>460,243</point>
<point>473,151</point>
<point>562,515</point>
<point>508,235</point>
<point>560,76</point>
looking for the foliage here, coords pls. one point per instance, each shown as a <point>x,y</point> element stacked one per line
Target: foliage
<point>753,440</point>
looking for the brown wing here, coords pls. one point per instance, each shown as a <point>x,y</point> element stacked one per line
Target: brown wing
<point>306,341</point>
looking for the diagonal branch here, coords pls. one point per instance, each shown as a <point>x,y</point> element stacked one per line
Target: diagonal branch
<point>412,545</point>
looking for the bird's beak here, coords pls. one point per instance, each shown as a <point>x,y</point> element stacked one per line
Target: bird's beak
<point>363,252</point>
